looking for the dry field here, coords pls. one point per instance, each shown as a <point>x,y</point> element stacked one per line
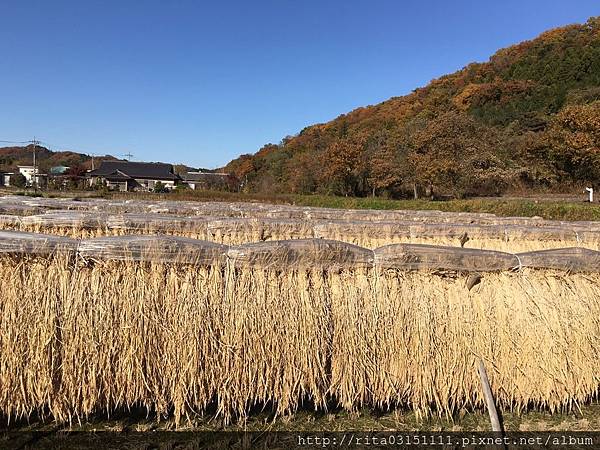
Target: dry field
<point>238,223</point>
<point>185,309</point>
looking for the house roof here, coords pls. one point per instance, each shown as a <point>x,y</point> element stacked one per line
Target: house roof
<point>202,176</point>
<point>157,171</point>
<point>117,175</point>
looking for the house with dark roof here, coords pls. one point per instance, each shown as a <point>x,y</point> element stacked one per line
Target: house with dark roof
<point>133,176</point>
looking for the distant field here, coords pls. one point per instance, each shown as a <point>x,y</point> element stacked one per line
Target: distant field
<point>548,207</point>
<point>523,333</point>
<point>553,207</point>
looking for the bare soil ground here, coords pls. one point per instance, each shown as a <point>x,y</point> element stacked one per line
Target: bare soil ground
<point>133,429</point>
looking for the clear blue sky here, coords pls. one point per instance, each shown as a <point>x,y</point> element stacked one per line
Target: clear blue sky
<point>203,82</point>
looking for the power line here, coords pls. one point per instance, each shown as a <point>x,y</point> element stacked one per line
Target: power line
<point>35,180</point>
<point>52,147</point>
<point>83,151</point>
<point>16,142</point>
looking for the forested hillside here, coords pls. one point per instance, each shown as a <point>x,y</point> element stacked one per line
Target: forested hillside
<point>11,157</point>
<point>527,118</point>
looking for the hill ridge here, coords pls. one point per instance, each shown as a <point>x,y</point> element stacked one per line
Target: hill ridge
<point>525,119</point>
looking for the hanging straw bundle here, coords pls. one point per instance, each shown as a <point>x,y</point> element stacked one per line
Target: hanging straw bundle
<point>279,297</point>
<point>177,324</point>
<point>75,224</point>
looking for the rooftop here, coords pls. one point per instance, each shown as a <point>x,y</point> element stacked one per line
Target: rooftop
<point>159,171</point>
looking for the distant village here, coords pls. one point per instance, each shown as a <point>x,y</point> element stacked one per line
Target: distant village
<point>118,176</point>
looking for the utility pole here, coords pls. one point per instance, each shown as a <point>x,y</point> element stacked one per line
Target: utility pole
<point>129,156</point>
<point>35,143</point>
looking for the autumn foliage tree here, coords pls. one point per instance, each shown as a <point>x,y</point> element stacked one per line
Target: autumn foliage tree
<point>342,167</point>
<point>456,154</point>
<point>384,162</point>
<point>574,138</point>
<point>528,118</point>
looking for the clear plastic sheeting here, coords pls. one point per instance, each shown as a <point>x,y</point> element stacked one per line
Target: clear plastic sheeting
<point>423,231</point>
<point>356,231</point>
<point>577,225</point>
<point>157,223</point>
<point>432,257</point>
<point>281,213</point>
<point>121,207</point>
<point>66,219</point>
<point>585,237</point>
<point>236,231</point>
<point>165,249</point>
<point>20,209</point>
<point>301,254</point>
<point>54,203</point>
<point>366,215</point>
<point>174,208</point>
<point>35,243</point>
<point>520,233</point>
<point>433,222</point>
<point>571,259</point>
<point>281,229</point>
<point>381,233</point>
<point>216,210</point>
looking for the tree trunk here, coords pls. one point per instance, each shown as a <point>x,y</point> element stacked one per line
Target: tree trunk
<point>416,191</point>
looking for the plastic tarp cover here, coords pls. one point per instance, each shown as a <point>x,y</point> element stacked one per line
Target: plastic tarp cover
<point>366,215</point>
<point>120,208</point>
<point>517,233</point>
<point>55,203</point>
<point>419,256</point>
<point>269,213</point>
<point>165,249</point>
<point>67,219</point>
<point>35,243</point>
<point>456,231</point>
<point>286,229</point>
<point>579,225</point>
<point>218,211</point>
<point>176,208</point>
<point>574,259</point>
<point>20,210</point>
<point>405,229</point>
<point>233,226</point>
<point>301,254</point>
<point>156,222</point>
<point>342,228</point>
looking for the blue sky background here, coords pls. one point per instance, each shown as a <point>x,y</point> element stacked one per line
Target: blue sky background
<point>203,82</point>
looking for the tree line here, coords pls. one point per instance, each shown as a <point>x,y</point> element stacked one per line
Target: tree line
<point>529,118</point>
